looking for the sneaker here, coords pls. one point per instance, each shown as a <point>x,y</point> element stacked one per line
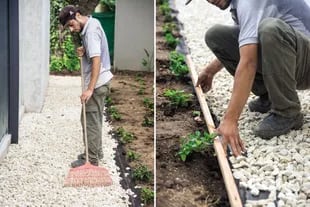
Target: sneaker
<point>276,125</point>
<point>80,162</point>
<point>83,156</point>
<point>260,104</point>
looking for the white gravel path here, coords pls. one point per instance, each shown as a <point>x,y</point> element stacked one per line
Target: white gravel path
<point>281,165</point>
<point>33,172</point>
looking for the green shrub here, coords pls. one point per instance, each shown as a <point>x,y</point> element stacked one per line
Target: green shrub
<point>177,64</point>
<point>195,142</point>
<point>71,61</point>
<point>56,64</point>
<point>178,98</point>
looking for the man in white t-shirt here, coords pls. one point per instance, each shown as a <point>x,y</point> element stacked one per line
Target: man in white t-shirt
<point>268,52</point>
<point>97,75</point>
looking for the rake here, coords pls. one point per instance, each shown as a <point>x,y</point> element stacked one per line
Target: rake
<point>87,175</point>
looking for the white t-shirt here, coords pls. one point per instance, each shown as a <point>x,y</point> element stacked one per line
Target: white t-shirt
<point>95,44</point>
<point>249,13</point>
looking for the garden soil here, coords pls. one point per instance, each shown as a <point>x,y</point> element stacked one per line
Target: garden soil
<point>198,181</point>
<point>128,101</point>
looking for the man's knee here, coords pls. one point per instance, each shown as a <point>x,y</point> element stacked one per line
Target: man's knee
<point>212,35</point>
<point>270,29</point>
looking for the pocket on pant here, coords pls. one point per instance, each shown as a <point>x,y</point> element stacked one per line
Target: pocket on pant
<point>102,90</point>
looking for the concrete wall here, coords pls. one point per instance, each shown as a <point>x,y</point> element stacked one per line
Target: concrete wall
<point>134,32</point>
<point>34,27</point>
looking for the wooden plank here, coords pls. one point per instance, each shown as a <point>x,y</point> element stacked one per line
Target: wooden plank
<point>231,188</point>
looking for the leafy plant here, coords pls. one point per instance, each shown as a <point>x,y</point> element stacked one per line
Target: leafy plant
<point>142,173</point>
<point>71,61</point>
<point>177,64</point>
<point>147,195</point>
<point>108,101</point>
<point>165,9</point>
<point>56,63</point>
<point>131,155</point>
<point>169,27</point>
<point>196,113</point>
<point>141,90</point>
<point>148,122</point>
<point>147,62</point>
<point>178,98</point>
<point>148,103</point>
<point>112,110</point>
<point>125,136</point>
<point>196,142</point>
<point>171,41</point>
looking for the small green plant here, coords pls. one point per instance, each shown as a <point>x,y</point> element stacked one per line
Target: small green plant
<point>147,195</point>
<point>165,9</point>
<point>108,101</point>
<point>132,156</point>
<point>196,142</point>
<point>177,64</point>
<point>178,98</point>
<point>112,110</point>
<point>148,103</point>
<point>125,136</point>
<point>169,27</point>
<point>148,122</point>
<point>147,62</point>
<point>141,90</point>
<point>142,173</point>
<point>196,113</point>
<point>171,41</point>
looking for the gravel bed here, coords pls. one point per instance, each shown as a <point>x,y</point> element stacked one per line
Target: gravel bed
<point>33,172</point>
<point>280,166</point>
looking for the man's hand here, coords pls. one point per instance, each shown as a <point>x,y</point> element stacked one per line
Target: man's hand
<point>230,136</point>
<point>206,76</point>
<point>80,51</point>
<point>86,95</point>
<point>205,80</point>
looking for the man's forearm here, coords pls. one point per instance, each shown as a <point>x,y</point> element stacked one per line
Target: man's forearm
<point>243,82</point>
<point>94,73</point>
<point>216,66</point>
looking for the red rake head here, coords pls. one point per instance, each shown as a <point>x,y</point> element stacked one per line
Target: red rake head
<point>88,175</point>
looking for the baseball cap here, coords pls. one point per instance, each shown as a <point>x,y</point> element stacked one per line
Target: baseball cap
<point>67,13</point>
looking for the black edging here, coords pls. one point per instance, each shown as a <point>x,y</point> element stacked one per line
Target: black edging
<point>127,182</point>
<point>245,194</point>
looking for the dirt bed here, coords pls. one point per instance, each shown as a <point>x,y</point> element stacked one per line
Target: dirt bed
<point>128,92</point>
<point>198,181</point>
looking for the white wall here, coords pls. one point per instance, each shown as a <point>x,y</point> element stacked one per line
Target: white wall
<point>34,27</point>
<point>134,32</point>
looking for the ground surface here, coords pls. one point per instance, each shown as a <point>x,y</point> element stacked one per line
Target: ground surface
<point>34,170</point>
<point>127,97</point>
<point>198,181</point>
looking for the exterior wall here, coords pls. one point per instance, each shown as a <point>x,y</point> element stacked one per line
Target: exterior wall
<point>34,53</point>
<point>134,32</point>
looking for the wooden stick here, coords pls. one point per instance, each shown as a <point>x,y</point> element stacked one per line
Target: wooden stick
<point>231,188</point>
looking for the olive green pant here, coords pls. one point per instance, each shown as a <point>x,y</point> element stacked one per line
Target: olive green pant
<point>94,113</point>
<point>283,61</point>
